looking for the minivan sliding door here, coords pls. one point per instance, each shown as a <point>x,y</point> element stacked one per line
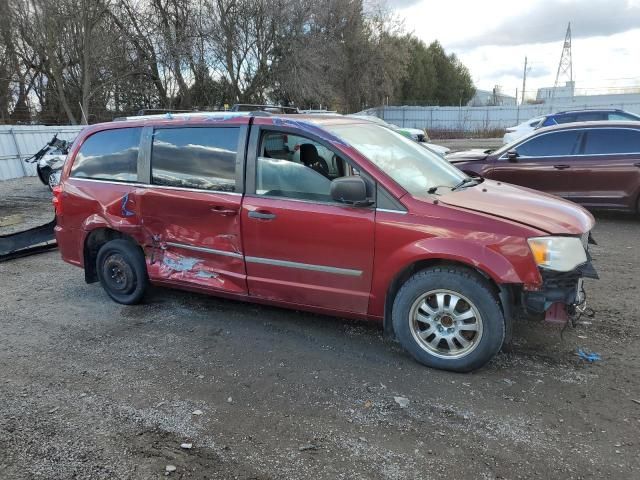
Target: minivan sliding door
<point>191,209</point>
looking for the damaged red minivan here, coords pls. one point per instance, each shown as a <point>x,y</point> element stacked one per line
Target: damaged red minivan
<point>329,214</point>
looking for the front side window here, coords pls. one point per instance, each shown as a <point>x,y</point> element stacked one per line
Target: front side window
<point>564,119</point>
<point>413,167</point>
<point>554,144</point>
<point>612,140</point>
<point>195,157</point>
<point>109,155</point>
<point>293,166</point>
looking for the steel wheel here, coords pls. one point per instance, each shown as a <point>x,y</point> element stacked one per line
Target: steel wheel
<point>445,323</point>
<point>118,275</point>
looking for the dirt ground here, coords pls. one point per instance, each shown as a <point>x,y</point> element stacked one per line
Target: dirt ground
<point>90,389</point>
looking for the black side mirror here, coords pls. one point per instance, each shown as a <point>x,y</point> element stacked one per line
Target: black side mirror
<point>350,190</point>
<point>512,155</point>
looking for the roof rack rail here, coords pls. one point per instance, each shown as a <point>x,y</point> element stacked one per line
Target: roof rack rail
<point>158,111</point>
<point>249,107</point>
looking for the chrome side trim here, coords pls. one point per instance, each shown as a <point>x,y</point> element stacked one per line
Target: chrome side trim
<point>224,253</point>
<point>401,212</point>
<point>148,185</point>
<point>305,266</point>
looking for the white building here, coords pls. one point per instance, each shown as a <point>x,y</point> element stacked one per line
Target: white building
<point>547,93</point>
<point>484,98</point>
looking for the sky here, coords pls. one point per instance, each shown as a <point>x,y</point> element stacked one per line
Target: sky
<point>492,38</point>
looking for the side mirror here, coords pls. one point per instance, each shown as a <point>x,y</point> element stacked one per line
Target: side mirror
<point>512,155</point>
<point>350,190</point>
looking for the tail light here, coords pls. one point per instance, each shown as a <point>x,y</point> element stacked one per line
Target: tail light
<point>57,199</point>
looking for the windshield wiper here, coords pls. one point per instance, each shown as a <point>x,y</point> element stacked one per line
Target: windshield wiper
<point>467,181</point>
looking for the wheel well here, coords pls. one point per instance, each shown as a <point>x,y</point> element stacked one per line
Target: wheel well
<point>96,239</point>
<point>404,275</point>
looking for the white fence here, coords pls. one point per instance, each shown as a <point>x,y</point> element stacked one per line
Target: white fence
<point>18,143</point>
<point>479,119</point>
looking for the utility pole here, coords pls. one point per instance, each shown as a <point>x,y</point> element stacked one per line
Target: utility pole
<point>524,80</point>
<point>565,67</point>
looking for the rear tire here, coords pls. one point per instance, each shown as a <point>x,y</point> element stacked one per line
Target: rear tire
<point>122,271</point>
<point>448,318</point>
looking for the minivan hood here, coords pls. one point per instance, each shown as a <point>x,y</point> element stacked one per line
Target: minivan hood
<point>523,205</point>
<point>467,155</point>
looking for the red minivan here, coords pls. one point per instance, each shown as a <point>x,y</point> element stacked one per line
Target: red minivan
<point>355,221</point>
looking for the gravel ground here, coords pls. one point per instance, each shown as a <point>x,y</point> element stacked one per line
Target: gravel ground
<point>18,197</point>
<point>93,389</point>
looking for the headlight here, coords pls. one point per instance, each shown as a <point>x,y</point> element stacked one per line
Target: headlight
<point>562,254</point>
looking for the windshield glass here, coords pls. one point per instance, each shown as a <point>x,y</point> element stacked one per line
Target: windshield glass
<point>413,166</point>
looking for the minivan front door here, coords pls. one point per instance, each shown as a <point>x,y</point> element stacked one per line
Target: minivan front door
<point>191,210</point>
<point>300,246</point>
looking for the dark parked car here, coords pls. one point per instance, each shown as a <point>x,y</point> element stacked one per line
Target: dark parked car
<point>587,115</point>
<point>596,164</point>
<point>384,230</point>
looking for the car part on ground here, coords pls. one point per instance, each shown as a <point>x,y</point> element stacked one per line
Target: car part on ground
<point>28,242</point>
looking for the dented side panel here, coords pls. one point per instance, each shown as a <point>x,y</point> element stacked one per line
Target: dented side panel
<point>194,237</point>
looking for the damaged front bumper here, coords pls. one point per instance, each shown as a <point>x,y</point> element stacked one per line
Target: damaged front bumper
<point>563,288</point>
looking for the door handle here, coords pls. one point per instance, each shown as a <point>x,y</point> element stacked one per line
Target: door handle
<point>227,212</point>
<point>561,167</point>
<point>262,215</point>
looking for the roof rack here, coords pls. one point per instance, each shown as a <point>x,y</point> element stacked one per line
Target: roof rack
<point>158,111</point>
<point>589,109</point>
<point>249,107</point>
<point>185,115</point>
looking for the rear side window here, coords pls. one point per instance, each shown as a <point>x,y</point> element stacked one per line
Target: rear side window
<point>195,157</point>
<point>622,116</point>
<point>109,155</point>
<point>591,116</point>
<point>612,140</point>
<point>551,144</point>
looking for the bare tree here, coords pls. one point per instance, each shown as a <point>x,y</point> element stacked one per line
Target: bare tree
<point>86,60</point>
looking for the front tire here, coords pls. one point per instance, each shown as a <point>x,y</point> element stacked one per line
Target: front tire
<point>122,271</point>
<point>449,318</point>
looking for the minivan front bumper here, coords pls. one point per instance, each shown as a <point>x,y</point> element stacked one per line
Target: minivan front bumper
<point>559,287</point>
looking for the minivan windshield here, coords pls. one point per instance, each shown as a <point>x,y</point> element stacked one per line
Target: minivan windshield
<point>413,166</point>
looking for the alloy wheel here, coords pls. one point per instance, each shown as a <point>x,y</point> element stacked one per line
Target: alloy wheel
<point>445,324</point>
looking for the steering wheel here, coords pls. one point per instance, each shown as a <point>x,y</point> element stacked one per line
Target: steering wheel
<point>320,166</point>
